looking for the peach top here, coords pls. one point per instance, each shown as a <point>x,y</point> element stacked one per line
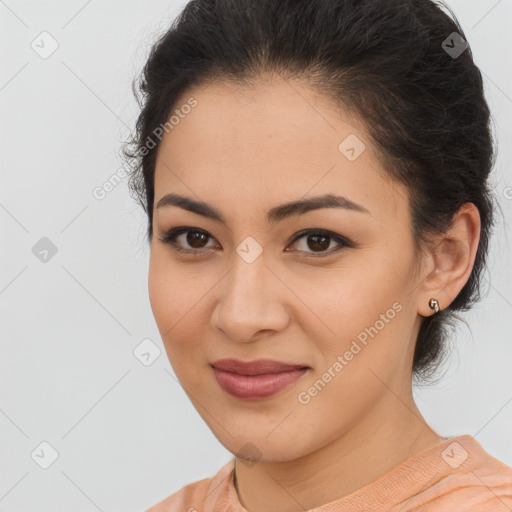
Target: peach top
<point>456,475</point>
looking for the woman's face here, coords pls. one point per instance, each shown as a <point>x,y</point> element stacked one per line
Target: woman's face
<point>249,290</point>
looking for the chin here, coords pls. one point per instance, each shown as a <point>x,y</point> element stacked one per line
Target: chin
<point>263,447</point>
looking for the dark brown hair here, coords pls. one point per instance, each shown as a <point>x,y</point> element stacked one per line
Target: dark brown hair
<point>387,61</point>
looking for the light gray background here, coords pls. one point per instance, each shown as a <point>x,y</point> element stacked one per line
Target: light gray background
<point>125,433</point>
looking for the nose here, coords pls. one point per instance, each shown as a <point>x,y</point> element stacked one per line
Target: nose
<point>251,302</point>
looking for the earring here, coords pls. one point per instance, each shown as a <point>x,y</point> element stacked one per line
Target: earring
<point>434,304</point>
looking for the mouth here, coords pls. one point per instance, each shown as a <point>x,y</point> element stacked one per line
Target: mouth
<point>255,380</point>
<point>257,367</point>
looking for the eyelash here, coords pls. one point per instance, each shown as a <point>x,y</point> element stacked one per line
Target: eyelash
<point>172,234</point>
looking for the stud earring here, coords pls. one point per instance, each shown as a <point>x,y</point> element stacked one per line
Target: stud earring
<point>434,304</point>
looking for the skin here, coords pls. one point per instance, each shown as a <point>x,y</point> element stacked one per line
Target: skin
<point>245,151</point>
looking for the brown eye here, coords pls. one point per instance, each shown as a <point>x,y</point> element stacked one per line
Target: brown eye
<point>190,240</point>
<point>317,242</point>
<point>193,240</point>
<point>196,239</point>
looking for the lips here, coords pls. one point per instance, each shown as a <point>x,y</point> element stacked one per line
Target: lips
<point>258,367</point>
<point>255,380</point>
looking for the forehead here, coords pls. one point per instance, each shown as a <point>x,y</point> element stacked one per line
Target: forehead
<point>267,144</point>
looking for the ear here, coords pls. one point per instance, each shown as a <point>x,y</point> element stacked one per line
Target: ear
<point>451,260</point>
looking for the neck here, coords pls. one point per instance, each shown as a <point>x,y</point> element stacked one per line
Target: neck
<point>391,433</point>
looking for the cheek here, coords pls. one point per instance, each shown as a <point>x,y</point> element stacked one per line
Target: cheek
<point>168,294</point>
<point>338,300</point>
<point>359,311</point>
<point>177,301</point>
<point>161,290</point>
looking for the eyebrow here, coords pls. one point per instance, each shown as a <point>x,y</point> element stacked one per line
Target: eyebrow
<point>276,214</point>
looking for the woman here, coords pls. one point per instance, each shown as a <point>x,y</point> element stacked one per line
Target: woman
<point>315,178</point>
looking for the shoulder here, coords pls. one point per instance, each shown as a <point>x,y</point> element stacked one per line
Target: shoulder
<point>195,496</point>
<point>473,481</point>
